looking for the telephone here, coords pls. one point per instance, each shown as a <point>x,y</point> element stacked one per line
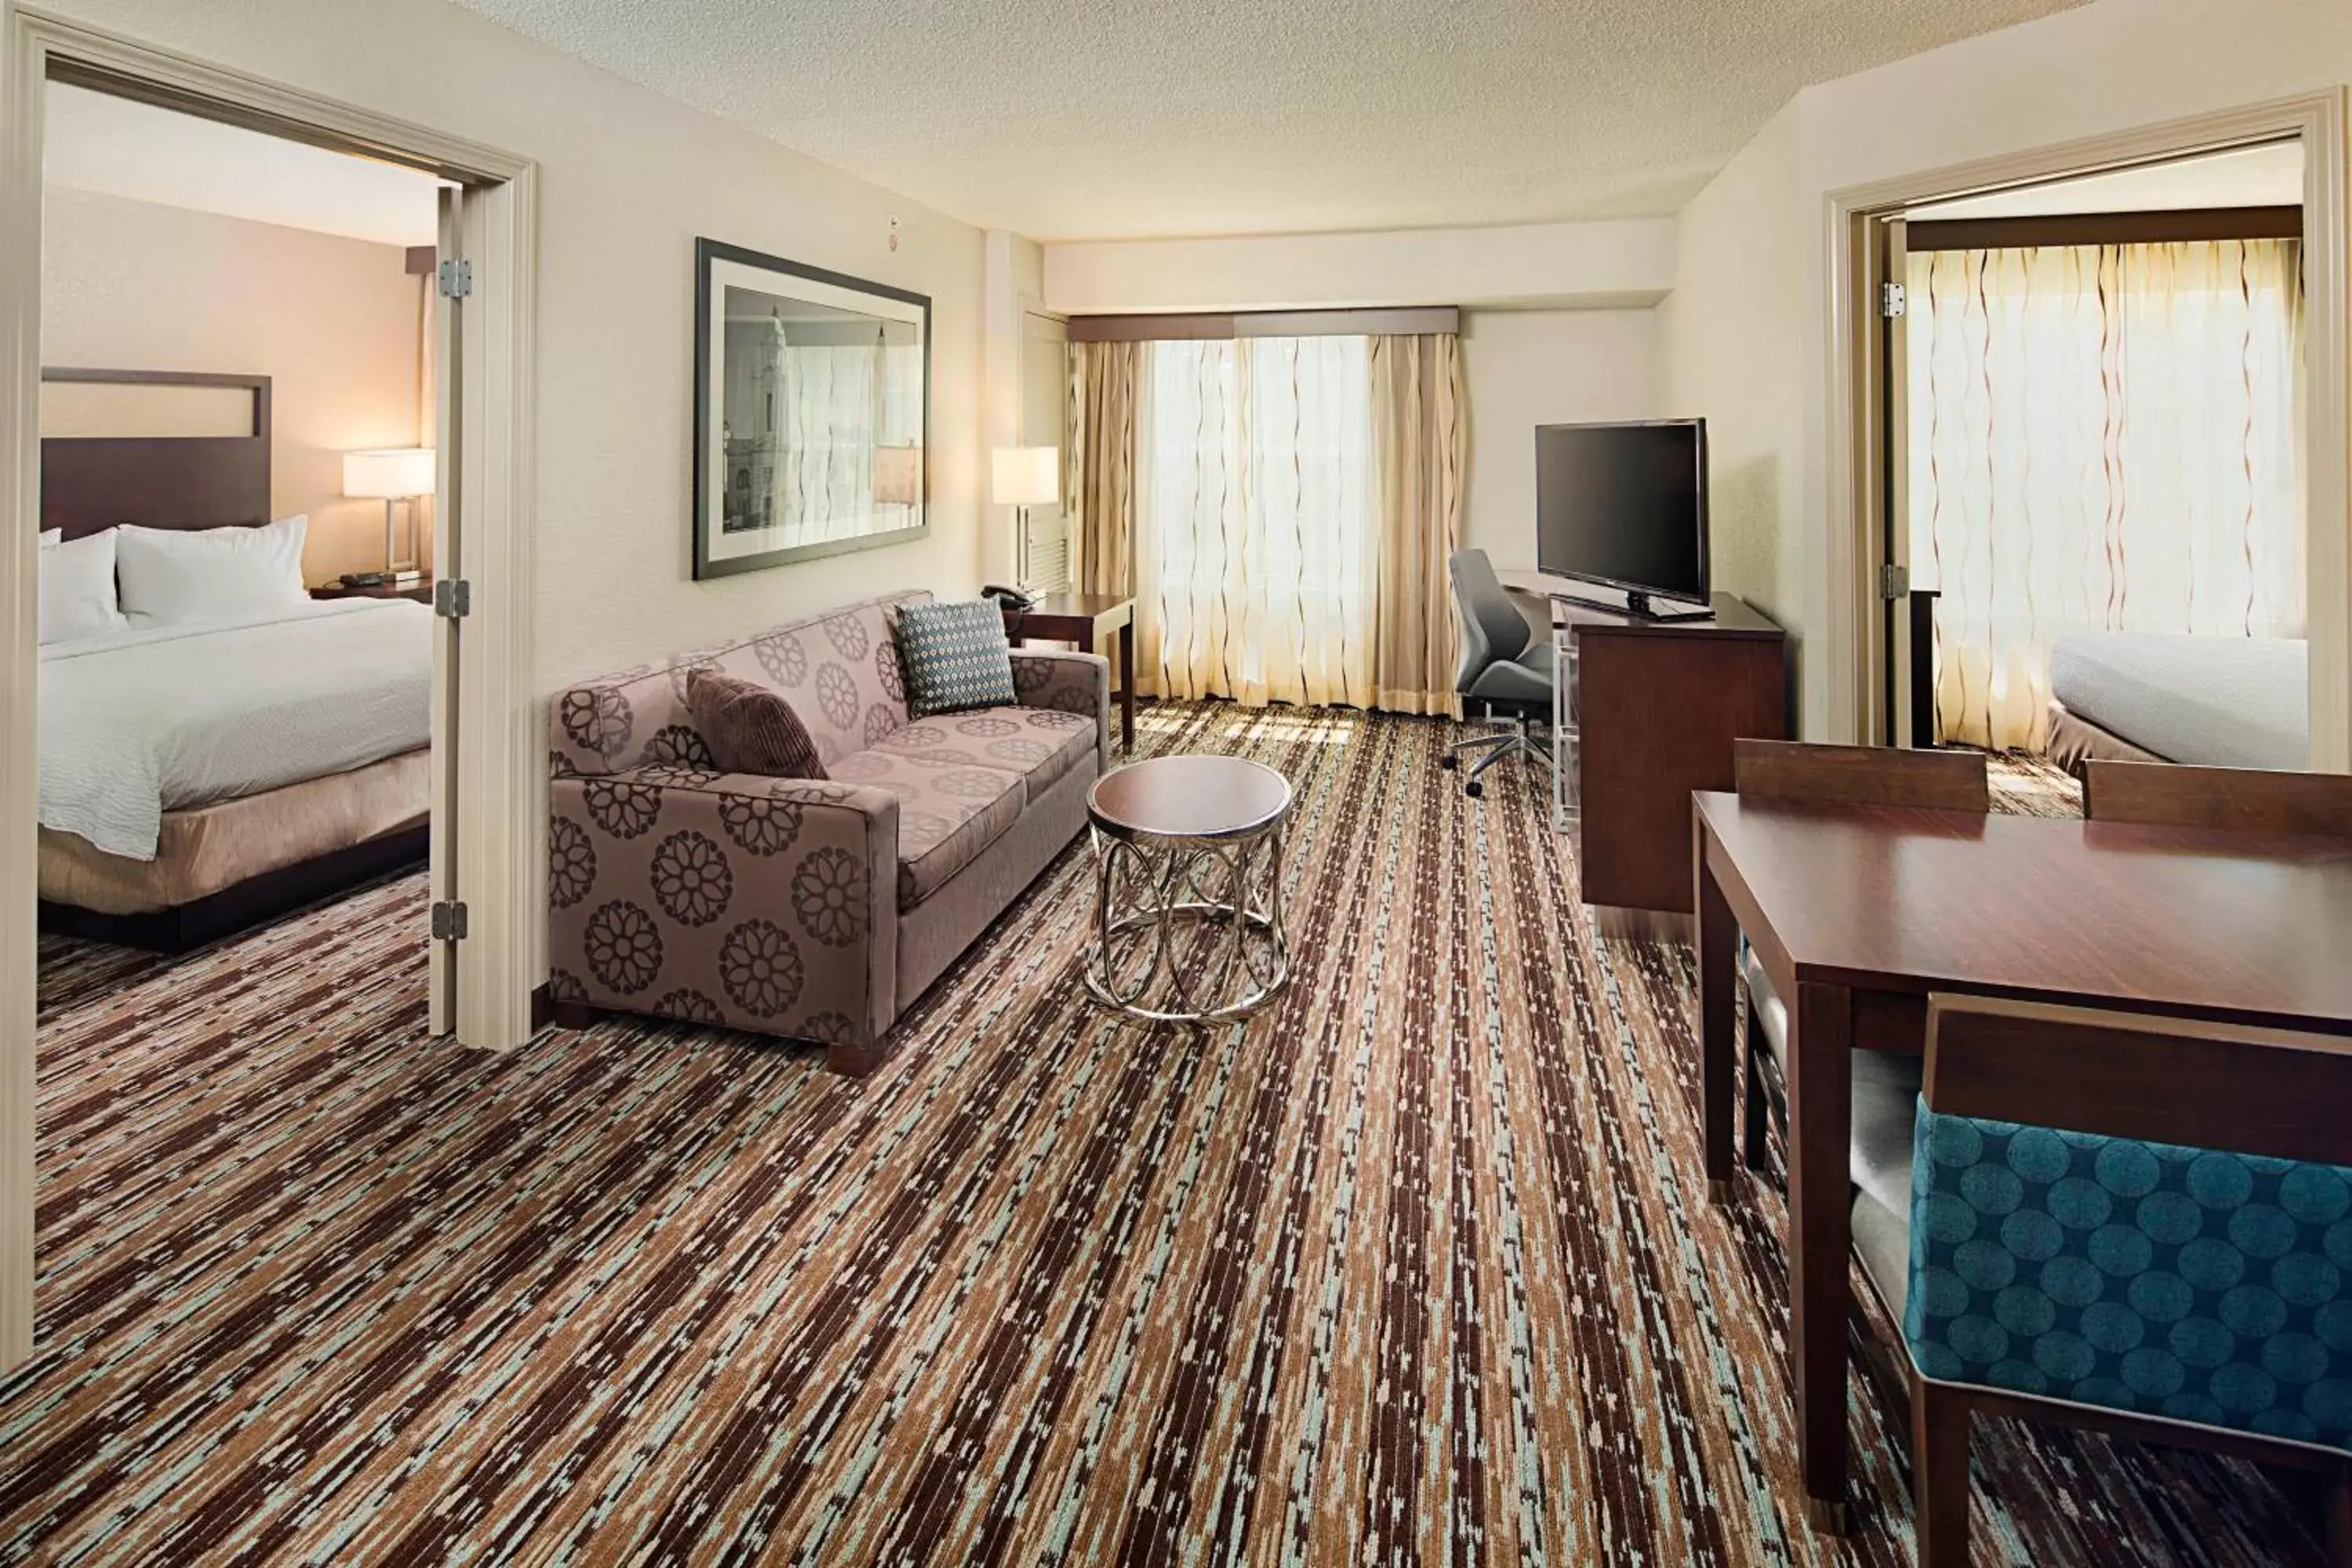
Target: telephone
<point>1012,599</point>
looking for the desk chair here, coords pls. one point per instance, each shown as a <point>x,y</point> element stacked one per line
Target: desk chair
<point>1855,775</point>
<point>1503,666</point>
<point>2125,1222</point>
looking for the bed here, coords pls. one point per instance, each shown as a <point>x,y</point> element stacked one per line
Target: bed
<point>201,777</point>
<point>2215,701</point>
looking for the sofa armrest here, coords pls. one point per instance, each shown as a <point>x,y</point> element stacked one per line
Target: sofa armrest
<point>1072,682</point>
<point>765,904</point>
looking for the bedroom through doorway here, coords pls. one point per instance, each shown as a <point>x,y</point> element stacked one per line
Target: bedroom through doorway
<point>239,451</point>
<point>472,915</point>
<point>2101,508</point>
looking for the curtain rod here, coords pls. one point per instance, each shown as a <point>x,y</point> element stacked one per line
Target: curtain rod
<point>1195,326</point>
<point>2184,225</point>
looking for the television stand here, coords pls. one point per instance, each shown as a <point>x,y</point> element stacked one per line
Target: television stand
<point>1639,607</point>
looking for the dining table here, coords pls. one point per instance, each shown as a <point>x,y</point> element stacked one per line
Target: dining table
<point>1858,912</point>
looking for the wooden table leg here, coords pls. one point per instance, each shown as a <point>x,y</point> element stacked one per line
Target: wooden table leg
<point>1820,1116</point>
<point>1718,945</point>
<point>1127,685</point>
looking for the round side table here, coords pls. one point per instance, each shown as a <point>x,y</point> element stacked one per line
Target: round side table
<point>1188,890</point>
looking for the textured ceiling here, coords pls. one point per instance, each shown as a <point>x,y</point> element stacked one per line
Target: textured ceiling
<point>1101,119</point>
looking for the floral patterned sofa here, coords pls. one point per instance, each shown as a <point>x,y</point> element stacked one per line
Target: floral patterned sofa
<point>818,910</point>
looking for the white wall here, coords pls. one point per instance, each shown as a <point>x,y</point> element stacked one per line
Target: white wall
<point>1595,263</point>
<point>128,284</point>
<point>1747,328</point>
<point>1527,368</point>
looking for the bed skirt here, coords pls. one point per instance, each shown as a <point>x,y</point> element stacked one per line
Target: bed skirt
<point>203,850</point>
<point>2074,739</point>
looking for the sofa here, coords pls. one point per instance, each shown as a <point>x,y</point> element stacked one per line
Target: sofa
<point>814,909</point>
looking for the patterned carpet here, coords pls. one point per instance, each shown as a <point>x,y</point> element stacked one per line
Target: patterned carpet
<point>1413,1269</point>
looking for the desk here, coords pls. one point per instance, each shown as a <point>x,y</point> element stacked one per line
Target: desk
<point>1859,911</point>
<point>1087,620</point>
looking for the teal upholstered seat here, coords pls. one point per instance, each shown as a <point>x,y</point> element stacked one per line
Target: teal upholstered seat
<point>2196,1284</point>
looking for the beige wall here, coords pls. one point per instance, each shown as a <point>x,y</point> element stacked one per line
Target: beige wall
<point>1628,262</point>
<point>1748,326</point>
<point>628,179</point>
<point>128,284</point>
<point>1527,368</point>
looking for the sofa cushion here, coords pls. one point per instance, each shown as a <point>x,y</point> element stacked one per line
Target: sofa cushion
<point>1039,744</point>
<point>749,729</point>
<point>838,670</point>
<point>956,658</point>
<point>948,810</point>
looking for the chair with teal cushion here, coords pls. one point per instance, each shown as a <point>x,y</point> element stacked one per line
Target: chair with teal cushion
<point>2130,1224</point>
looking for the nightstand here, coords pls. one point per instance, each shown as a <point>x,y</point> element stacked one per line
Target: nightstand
<point>421,590</point>
<point>1090,621</point>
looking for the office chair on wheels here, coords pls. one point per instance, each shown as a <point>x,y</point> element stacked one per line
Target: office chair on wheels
<point>1503,668</point>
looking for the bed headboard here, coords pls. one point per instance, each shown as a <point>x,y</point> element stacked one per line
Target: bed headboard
<point>91,482</point>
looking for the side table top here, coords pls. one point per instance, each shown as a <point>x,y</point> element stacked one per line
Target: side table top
<point>1189,797</point>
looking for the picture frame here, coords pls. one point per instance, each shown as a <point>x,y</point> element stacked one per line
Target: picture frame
<point>812,411</point>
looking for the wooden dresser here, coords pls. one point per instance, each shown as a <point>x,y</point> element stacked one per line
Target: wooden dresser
<point>1657,708</point>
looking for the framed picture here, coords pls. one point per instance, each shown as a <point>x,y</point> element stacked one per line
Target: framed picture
<point>812,411</point>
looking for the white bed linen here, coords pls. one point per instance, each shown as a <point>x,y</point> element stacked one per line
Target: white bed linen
<point>139,722</point>
<point>2215,701</point>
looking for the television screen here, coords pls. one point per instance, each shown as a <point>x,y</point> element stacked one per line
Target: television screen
<point>1625,505</point>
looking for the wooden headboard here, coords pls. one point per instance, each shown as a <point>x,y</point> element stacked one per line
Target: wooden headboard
<point>90,483</point>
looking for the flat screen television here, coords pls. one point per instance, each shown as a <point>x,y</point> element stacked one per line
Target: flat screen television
<point>1625,506</point>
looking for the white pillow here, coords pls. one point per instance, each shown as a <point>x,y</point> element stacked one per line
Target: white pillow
<point>178,578</point>
<point>78,586</point>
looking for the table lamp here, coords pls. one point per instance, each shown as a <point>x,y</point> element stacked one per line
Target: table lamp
<point>393,475</point>
<point>1021,478</point>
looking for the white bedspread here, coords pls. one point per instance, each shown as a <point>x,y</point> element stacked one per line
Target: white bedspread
<point>136,723</point>
<point>2217,702</point>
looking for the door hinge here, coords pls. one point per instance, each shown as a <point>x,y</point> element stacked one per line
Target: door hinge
<point>1894,582</point>
<point>448,921</point>
<point>454,599</point>
<point>1894,302</point>
<point>457,279</point>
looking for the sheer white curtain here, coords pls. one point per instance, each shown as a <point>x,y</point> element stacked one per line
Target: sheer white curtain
<point>831,410</point>
<point>1256,539</point>
<point>2102,438</point>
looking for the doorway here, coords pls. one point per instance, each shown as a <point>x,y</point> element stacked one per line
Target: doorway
<point>482,872</point>
<point>2141,219</point>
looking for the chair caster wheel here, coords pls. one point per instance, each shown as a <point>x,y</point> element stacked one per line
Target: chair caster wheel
<point>1449,762</point>
<point>1474,789</point>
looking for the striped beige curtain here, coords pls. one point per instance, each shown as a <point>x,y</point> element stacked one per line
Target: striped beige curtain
<point>1421,447</point>
<point>2102,438</point>
<point>1106,383</point>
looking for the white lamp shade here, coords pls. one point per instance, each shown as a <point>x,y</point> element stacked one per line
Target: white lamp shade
<point>389,474</point>
<point>1027,476</point>
<point>898,471</point>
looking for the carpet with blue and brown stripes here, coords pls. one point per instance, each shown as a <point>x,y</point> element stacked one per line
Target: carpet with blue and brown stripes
<point>1413,1269</point>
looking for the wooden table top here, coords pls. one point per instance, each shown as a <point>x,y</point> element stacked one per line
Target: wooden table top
<point>1077,606</point>
<point>1189,797</point>
<point>2194,921</point>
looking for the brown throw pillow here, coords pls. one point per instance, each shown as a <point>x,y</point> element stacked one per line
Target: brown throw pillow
<point>749,729</point>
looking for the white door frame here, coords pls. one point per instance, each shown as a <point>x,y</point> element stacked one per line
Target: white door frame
<point>499,761</point>
<point>1857,515</point>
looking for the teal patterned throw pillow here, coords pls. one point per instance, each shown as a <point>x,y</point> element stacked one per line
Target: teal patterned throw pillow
<point>955,658</point>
